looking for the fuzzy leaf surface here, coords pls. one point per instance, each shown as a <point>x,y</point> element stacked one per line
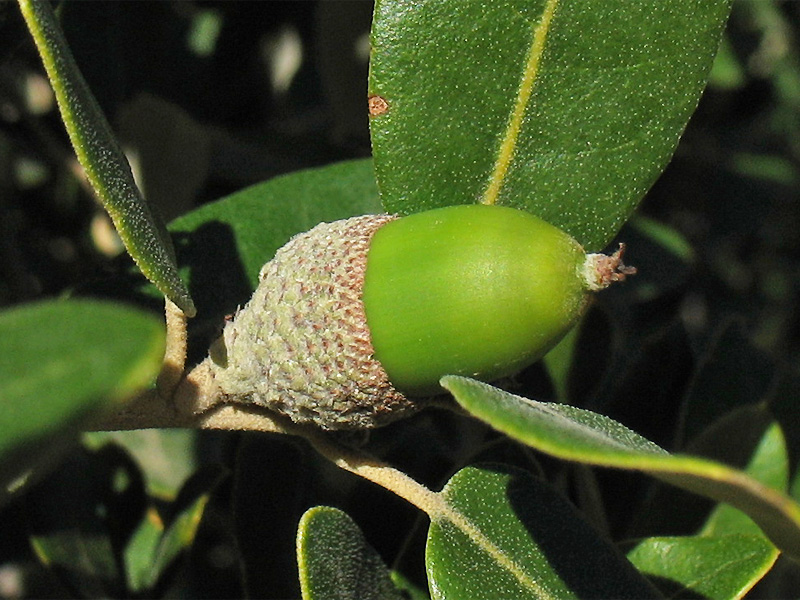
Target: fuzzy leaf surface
<point>576,434</point>
<point>336,562</point>
<point>509,535</point>
<point>142,231</point>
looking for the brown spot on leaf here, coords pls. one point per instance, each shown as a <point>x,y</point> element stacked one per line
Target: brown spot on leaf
<point>377,105</point>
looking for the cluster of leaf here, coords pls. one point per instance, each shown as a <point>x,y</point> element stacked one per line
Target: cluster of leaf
<point>548,106</point>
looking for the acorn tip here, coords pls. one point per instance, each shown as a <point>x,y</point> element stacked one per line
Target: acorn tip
<point>601,270</point>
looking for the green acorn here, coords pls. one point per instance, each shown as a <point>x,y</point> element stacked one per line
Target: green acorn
<point>354,322</point>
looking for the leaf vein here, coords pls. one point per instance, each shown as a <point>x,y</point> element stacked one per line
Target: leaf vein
<point>445,511</point>
<point>506,151</point>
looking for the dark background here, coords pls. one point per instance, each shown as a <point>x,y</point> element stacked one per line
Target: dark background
<point>209,97</point>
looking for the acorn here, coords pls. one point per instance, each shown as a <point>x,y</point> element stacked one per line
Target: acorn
<point>354,322</point>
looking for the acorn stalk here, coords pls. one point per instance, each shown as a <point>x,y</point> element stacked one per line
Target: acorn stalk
<point>354,322</point>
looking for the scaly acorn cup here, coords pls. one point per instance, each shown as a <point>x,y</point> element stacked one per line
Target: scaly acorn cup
<point>354,322</point>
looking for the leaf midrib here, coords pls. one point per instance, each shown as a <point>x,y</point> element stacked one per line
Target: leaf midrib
<point>505,152</point>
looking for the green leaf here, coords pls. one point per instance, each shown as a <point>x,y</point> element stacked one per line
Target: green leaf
<point>224,244</point>
<point>181,528</point>
<point>768,465</point>
<point>411,591</point>
<point>668,238</point>
<point>713,567</point>
<point>514,537</point>
<point>98,152</point>
<point>336,562</point>
<point>156,545</point>
<point>732,373</point>
<point>559,360</point>
<point>569,110</point>
<point>141,549</point>
<point>260,219</point>
<point>583,436</point>
<point>61,362</point>
<point>731,554</point>
<point>728,72</point>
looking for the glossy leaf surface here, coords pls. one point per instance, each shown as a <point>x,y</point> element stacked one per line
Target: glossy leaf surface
<point>225,243</point>
<point>61,362</point>
<point>714,567</point>
<point>730,554</point>
<point>567,109</point>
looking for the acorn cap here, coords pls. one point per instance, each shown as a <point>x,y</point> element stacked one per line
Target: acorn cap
<point>301,346</point>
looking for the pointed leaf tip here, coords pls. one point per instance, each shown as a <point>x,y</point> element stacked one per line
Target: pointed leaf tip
<point>141,230</point>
